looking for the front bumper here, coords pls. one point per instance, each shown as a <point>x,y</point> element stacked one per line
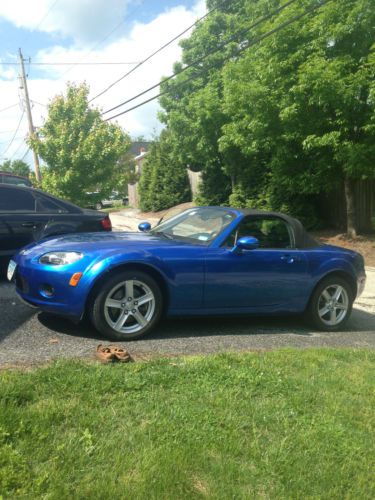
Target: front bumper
<point>65,301</point>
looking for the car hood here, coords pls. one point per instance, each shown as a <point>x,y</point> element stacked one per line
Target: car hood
<point>100,242</point>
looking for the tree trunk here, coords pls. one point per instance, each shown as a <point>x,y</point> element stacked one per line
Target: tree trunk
<point>365,205</point>
<point>351,223</point>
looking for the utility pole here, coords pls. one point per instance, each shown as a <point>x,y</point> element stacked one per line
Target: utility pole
<point>29,116</point>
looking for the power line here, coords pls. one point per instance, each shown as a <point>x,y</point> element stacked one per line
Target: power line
<point>37,63</point>
<point>152,55</point>
<point>16,151</point>
<point>202,58</point>
<point>10,107</point>
<point>15,133</point>
<point>34,28</point>
<point>39,103</point>
<point>107,35</point>
<point>25,154</point>
<point>16,138</point>
<point>46,14</point>
<point>249,44</point>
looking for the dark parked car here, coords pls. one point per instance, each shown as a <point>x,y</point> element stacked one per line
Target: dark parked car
<point>14,180</point>
<point>28,215</point>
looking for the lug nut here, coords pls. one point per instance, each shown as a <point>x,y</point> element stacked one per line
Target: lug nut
<point>134,311</point>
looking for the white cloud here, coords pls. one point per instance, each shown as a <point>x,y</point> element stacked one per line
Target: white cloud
<point>138,44</point>
<point>84,20</point>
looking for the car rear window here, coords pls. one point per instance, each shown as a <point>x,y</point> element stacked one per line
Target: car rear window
<point>14,181</point>
<point>47,205</point>
<point>16,200</point>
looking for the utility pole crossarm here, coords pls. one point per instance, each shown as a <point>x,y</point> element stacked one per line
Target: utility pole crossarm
<point>29,116</point>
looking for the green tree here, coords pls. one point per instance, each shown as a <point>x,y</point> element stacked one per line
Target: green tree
<point>80,150</point>
<point>125,172</point>
<point>282,122</point>
<point>302,100</point>
<point>17,167</point>
<point>193,109</point>
<point>164,182</point>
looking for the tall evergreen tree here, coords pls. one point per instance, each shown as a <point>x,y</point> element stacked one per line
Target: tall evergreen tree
<point>164,181</point>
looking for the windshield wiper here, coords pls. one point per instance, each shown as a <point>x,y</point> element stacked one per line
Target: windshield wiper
<point>166,235</point>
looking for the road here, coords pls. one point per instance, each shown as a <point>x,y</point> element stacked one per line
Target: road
<point>28,337</point>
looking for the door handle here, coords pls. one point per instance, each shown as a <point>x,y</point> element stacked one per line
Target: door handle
<point>28,224</point>
<point>289,259</point>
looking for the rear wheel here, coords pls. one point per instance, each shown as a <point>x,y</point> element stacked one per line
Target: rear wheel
<point>331,304</point>
<point>99,205</point>
<point>128,306</point>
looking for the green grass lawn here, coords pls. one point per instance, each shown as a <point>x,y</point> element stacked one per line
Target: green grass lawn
<point>281,424</point>
<point>114,208</point>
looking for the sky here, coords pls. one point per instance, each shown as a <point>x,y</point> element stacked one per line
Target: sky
<point>66,31</point>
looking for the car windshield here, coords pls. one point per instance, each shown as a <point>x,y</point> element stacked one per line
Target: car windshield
<point>197,225</point>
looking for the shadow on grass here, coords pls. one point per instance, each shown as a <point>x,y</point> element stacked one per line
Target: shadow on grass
<point>360,321</point>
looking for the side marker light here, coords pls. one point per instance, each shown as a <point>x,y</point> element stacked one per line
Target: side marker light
<point>74,280</point>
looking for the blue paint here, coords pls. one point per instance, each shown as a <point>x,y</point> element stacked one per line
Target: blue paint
<point>201,277</point>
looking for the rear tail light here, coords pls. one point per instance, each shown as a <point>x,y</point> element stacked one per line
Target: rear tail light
<point>106,224</point>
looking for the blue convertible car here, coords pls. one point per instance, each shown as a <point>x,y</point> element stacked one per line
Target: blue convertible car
<point>204,261</point>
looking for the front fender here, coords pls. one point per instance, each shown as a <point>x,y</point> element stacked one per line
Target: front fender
<point>102,266</point>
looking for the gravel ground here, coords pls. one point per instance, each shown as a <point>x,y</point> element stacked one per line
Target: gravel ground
<point>28,336</point>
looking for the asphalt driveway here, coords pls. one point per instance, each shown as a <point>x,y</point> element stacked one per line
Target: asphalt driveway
<point>28,336</point>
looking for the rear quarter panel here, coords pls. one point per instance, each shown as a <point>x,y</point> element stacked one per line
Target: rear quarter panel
<point>323,261</point>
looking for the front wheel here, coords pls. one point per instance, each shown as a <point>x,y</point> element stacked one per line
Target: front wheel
<point>331,304</point>
<point>128,306</point>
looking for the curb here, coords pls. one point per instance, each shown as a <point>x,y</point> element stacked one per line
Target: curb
<point>371,269</point>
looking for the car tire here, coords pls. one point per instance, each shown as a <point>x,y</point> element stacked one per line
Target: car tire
<point>127,306</point>
<point>331,304</point>
<point>99,205</point>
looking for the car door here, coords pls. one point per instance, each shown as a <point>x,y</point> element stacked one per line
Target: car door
<point>19,224</point>
<point>271,277</point>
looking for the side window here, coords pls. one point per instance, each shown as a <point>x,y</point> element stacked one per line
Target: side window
<point>271,232</point>
<point>47,205</point>
<point>16,200</point>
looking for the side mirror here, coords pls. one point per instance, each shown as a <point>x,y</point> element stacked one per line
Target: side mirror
<point>144,227</point>
<point>246,243</point>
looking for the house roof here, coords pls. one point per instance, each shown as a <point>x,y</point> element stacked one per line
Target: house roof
<point>137,146</point>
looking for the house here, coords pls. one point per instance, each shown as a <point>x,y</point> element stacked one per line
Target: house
<point>142,149</point>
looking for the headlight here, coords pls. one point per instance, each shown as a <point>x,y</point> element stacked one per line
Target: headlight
<point>60,258</point>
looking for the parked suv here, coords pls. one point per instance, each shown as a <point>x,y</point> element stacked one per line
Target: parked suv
<point>14,180</point>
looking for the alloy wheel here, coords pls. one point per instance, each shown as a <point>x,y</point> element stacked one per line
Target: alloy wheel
<point>333,305</point>
<point>129,306</point>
